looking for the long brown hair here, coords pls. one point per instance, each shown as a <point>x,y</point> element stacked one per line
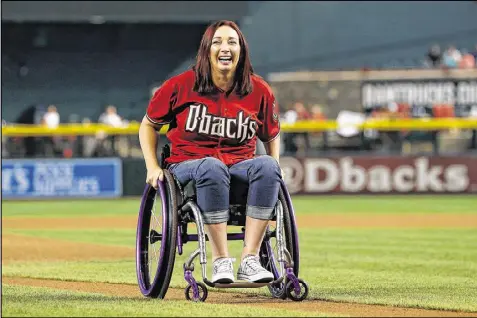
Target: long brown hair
<point>203,72</point>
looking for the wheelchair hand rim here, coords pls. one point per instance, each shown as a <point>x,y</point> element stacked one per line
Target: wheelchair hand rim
<point>292,219</point>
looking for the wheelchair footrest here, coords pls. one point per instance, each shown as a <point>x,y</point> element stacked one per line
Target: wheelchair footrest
<point>236,284</point>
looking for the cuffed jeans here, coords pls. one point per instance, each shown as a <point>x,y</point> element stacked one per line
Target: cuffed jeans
<point>218,186</point>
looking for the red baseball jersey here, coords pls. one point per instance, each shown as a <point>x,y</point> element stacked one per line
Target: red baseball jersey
<point>219,126</point>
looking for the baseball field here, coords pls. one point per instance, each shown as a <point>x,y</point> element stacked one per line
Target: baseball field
<point>361,255</point>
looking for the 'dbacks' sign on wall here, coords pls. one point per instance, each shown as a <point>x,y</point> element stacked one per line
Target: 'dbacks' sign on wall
<point>370,174</point>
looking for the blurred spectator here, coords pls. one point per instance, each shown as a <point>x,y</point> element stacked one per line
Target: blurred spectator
<point>106,144</point>
<point>301,139</point>
<point>473,112</point>
<point>391,139</point>
<point>296,141</point>
<point>443,111</point>
<point>434,55</point>
<point>348,123</point>
<point>90,143</point>
<point>289,117</point>
<point>110,117</point>
<point>51,144</point>
<point>73,142</point>
<point>317,113</point>
<point>317,138</point>
<point>467,61</point>
<point>451,57</point>
<point>51,118</point>
<point>301,111</point>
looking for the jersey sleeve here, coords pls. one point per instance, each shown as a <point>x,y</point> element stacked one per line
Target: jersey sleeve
<point>270,120</point>
<point>159,110</point>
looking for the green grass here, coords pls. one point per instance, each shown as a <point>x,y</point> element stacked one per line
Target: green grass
<point>42,302</point>
<point>302,204</point>
<point>385,204</point>
<point>424,268</point>
<point>431,268</point>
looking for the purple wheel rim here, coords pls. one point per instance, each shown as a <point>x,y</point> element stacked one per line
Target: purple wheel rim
<point>139,238</point>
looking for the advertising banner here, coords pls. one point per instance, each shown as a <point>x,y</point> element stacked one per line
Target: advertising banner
<point>366,174</point>
<point>462,93</point>
<point>61,178</point>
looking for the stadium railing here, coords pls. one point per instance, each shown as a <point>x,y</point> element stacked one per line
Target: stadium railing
<point>12,130</point>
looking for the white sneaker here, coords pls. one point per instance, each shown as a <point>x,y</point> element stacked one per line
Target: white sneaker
<point>222,271</point>
<point>251,270</point>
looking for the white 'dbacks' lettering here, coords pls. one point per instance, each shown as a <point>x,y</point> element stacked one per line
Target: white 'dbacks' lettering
<point>201,122</point>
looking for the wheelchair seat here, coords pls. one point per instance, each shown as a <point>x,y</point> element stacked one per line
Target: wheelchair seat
<point>188,192</point>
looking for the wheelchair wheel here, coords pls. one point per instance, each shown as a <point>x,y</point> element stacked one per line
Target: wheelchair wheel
<point>269,248</point>
<point>156,238</point>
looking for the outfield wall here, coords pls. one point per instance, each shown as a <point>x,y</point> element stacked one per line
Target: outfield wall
<point>380,174</point>
<point>113,177</point>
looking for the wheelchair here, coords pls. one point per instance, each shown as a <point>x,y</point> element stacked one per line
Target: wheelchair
<point>162,228</point>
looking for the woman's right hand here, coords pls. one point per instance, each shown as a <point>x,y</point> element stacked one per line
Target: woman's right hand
<point>153,175</point>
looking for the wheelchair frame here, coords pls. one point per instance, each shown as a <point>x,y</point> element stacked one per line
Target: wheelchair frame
<point>286,283</point>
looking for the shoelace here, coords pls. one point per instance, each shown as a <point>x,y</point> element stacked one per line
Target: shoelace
<point>224,264</point>
<point>253,263</point>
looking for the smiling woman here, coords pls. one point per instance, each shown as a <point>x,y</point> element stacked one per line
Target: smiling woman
<point>225,49</point>
<point>223,60</point>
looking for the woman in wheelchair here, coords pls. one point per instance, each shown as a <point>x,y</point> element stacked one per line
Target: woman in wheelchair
<point>215,112</point>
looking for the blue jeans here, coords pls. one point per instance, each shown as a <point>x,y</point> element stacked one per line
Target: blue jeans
<point>218,186</point>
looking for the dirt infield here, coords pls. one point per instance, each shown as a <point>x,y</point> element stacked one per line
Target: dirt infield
<point>313,307</point>
<point>18,247</point>
<point>22,248</point>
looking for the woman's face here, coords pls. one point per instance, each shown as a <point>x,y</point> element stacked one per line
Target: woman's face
<point>225,50</point>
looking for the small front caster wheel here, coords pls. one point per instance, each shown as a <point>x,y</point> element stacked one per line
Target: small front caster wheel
<point>291,293</point>
<point>201,295</point>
